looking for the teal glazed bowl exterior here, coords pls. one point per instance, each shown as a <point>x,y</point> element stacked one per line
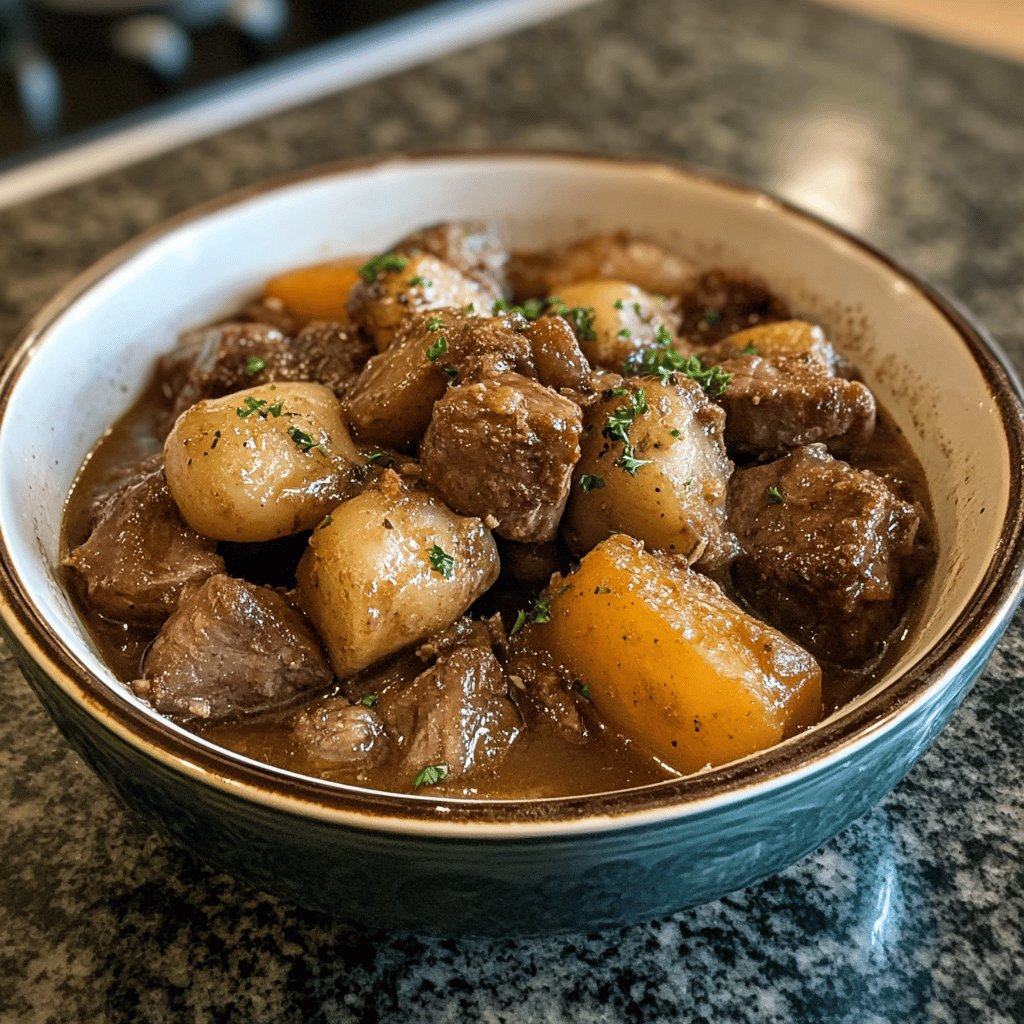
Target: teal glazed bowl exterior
<point>434,865</point>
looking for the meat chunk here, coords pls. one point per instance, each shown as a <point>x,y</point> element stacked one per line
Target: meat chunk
<point>340,733</point>
<point>824,549</point>
<point>542,695</point>
<point>772,404</point>
<point>478,249</point>
<point>230,648</point>
<point>456,714</point>
<point>393,400</point>
<point>141,554</point>
<point>234,356</point>
<point>399,285</point>
<point>723,302</point>
<point>504,447</point>
<point>622,256</point>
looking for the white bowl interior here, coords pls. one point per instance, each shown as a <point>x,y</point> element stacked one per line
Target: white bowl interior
<point>96,356</point>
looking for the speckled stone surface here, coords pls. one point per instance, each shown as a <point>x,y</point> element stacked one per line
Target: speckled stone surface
<point>916,912</point>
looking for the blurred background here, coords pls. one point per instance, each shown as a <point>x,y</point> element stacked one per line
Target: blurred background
<point>73,72</point>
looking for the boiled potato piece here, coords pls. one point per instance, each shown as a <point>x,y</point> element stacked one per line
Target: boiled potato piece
<point>388,569</point>
<point>673,495</point>
<point>319,291</point>
<point>261,463</point>
<point>399,284</point>
<point>626,321</point>
<point>671,663</point>
<point>787,338</point>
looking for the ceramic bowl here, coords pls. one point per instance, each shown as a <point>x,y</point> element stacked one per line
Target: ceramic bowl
<point>454,866</point>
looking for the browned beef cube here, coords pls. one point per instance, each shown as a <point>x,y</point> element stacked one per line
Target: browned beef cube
<point>394,398</point>
<point>773,404</point>
<point>234,356</point>
<point>455,714</point>
<point>825,548</point>
<point>504,448</point>
<point>340,733</point>
<point>478,249</point>
<point>141,554</point>
<point>542,695</point>
<point>723,302</point>
<point>231,647</point>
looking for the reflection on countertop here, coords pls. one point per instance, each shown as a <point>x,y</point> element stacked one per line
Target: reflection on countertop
<point>916,912</point>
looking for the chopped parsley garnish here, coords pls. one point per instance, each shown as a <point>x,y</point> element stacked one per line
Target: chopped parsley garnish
<point>451,373</point>
<point>617,426</point>
<point>618,303</point>
<point>624,333</point>
<point>252,404</point>
<point>434,324</point>
<point>441,562</point>
<point>369,700</point>
<point>304,441</point>
<point>437,349</point>
<point>712,316</point>
<point>675,433</point>
<point>417,280</point>
<point>663,361</point>
<point>326,521</point>
<point>775,496</point>
<point>661,336</point>
<point>540,612</point>
<point>532,309</point>
<point>589,482</point>
<point>254,364</point>
<point>581,318</point>
<point>469,309</point>
<point>385,263</point>
<point>431,775</point>
<point>582,689</point>
<point>375,456</point>
<point>602,590</point>
<point>748,350</point>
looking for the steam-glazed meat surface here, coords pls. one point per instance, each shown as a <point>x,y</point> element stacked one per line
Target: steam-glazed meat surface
<point>773,404</point>
<point>229,648</point>
<point>456,713</point>
<point>825,548</point>
<point>141,554</point>
<point>234,356</point>
<point>502,525</point>
<point>515,423</point>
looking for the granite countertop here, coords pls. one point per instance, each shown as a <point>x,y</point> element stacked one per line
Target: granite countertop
<point>914,913</point>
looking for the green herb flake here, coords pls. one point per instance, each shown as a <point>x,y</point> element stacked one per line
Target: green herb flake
<point>415,282</point>
<point>618,303</point>
<point>375,457</point>
<point>441,562</point>
<point>469,309</point>
<point>624,333</point>
<point>431,775</point>
<point>437,349</point>
<point>582,689</point>
<point>675,433</point>
<point>304,441</point>
<point>451,373</point>
<point>581,318</point>
<point>273,410</point>
<point>326,521</point>
<point>435,324</point>
<point>539,613</point>
<point>251,405</point>
<point>748,350</point>
<point>383,264</point>
<point>712,316</point>
<point>254,364</point>
<point>369,700</point>
<point>602,590</point>
<point>589,482</point>
<point>775,496</point>
<point>617,426</point>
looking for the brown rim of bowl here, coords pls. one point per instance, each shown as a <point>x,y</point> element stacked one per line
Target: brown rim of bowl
<point>993,600</point>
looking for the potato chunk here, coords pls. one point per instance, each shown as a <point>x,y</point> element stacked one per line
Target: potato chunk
<point>259,464</point>
<point>671,662</point>
<point>627,320</point>
<point>668,487</point>
<point>405,284</point>
<point>390,568</point>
